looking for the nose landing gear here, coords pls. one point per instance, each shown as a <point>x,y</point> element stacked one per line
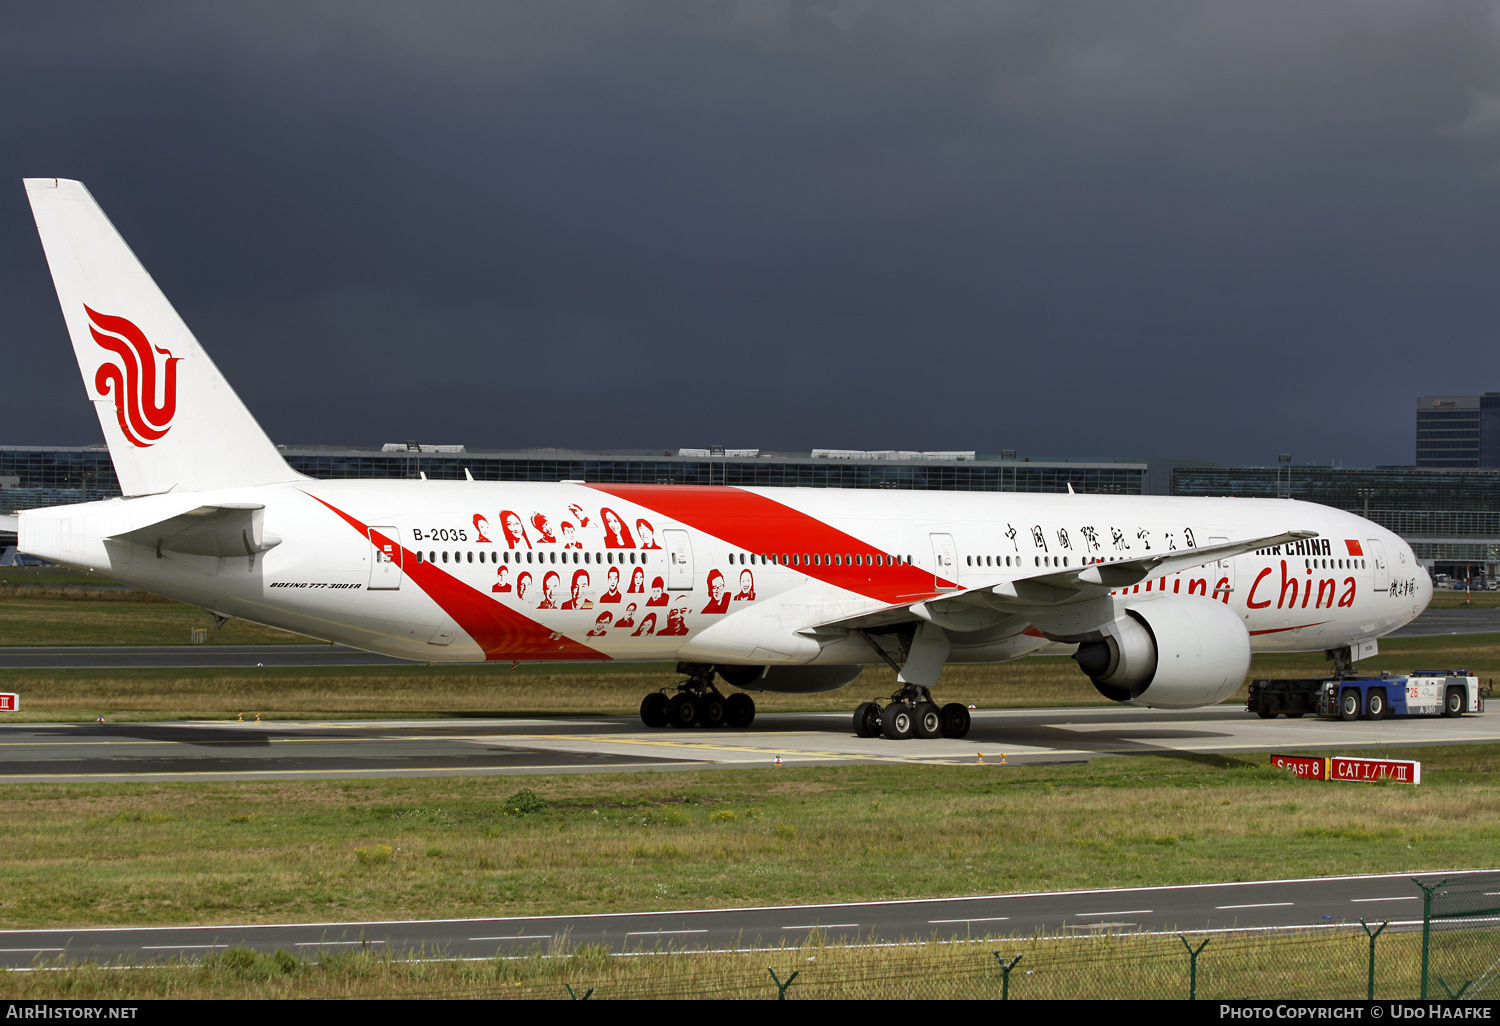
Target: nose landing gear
<point>697,703</point>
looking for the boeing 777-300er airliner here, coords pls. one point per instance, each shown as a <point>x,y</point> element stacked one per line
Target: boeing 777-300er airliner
<point>762,589</point>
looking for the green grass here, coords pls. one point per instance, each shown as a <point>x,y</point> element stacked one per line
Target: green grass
<point>1462,600</point>
<point>170,853</point>
<point>58,606</point>
<point>1328,965</point>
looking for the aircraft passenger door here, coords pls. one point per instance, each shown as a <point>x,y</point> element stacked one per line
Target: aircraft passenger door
<point>1382,568</point>
<point>385,558</point>
<point>944,562</point>
<point>1222,573</point>
<point>679,560</point>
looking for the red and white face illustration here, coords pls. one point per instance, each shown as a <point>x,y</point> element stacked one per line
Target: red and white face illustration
<point>637,582</point>
<point>523,585</point>
<point>580,584</point>
<point>515,532</point>
<point>502,579</point>
<point>579,515</point>
<point>143,405</point>
<point>647,627</point>
<point>657,598</point>
<point>716,586</point>
<point>616,534</point>
<point>482,529</point>
<point>646,535</point>
<point>570,537</point>
<point>747,585</point>
<point>543,529</point>
<point>612,579</point>
<point>550,584</point>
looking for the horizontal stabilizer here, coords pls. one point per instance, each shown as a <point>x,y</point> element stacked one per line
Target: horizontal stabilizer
<point>229,529</point>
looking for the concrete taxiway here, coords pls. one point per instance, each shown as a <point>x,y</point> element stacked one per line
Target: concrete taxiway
<point>385,748</point>
<point>1203,908</point>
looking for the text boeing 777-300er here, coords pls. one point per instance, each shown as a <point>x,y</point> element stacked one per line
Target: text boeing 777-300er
<point>765,589</point>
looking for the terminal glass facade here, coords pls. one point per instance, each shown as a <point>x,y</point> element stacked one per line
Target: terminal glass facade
<point>1451,518</point>
<point>51,476</point>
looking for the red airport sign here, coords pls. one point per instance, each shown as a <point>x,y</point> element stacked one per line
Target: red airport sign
<point>1400,771</point>
<point>1302,766</point>
<point>9,702</point>
<point>1340,767</point>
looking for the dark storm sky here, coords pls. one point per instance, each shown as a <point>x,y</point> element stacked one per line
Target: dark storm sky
<point>1205,230</point>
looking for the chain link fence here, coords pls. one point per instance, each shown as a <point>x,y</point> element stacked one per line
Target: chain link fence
<point>1451,952</point>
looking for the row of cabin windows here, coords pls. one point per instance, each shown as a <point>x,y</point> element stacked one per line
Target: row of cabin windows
<point>1308,564</point>
<point>822,559</point>
<point>785,559</point>
<point>1006,561</point>
<point>541,557</point>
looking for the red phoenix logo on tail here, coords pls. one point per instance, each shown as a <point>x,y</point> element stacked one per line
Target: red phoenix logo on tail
<point>132,382</point>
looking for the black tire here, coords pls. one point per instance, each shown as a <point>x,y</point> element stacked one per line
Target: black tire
<point>1295,715</point>
<point>712,712</point>
<point>682,711</point>
<point>741,711</point>
<point>927,722</point>
<point>1454,700</point>
<point>955,721</point>
<point>1266,714</point>
<point>867,720</point>
<point>1349,704</point>
<point>1376,706</point>
<point>654,709</point>
<point>897,722</point>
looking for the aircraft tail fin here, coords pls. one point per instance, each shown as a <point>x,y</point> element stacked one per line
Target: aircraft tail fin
<point>171,420</point>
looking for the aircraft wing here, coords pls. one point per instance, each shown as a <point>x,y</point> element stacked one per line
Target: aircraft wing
<point>228,529</point>
<point>982,607</point>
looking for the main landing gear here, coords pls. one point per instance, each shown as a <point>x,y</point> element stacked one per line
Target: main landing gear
<point>697,703</point>
<point>911,712</point>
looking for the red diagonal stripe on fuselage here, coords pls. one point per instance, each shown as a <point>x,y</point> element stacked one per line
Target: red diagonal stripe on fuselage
<point>502,632</point>
<point>755,523</point>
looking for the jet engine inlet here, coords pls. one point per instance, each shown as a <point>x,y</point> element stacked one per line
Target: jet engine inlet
<point>1175,652</point>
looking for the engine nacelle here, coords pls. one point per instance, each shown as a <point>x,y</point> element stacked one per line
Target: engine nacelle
<point>1176,652</point>
<point>797,680</point>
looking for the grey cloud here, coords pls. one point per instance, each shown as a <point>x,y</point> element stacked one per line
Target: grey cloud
<point>1218,230</point>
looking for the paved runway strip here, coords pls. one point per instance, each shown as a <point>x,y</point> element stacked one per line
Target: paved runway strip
<point>1315,904</point>
<point>382,748</point>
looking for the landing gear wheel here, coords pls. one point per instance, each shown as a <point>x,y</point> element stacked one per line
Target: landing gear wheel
<point>1295,715</point>
<point>955,720</point>
<point>740,710</point>
<point>1375,707</point>
<point>867,720</point>
<point>1266,714</point>
<point>1349,704</point>
<point>711,712</point>
<point>897,722</point>
<point>682,711</point>
<point>654,709</point>
<point>927,721</point>
<point>1454,701</point>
